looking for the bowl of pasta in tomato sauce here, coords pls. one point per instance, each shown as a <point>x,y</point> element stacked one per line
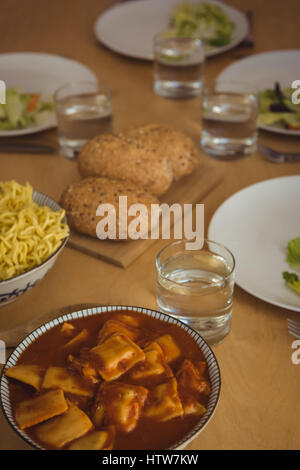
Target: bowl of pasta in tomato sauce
<point>110,378</point>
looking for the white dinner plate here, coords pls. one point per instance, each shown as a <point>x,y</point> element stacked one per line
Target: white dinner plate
<point>128,28</point>
<point>256,224</point>
<point>39,73</point>
<point>263,70</point>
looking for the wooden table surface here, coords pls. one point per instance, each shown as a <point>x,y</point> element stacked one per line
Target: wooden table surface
<point>259,403</point>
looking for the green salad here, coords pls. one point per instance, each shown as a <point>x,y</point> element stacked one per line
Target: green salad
<point>24,110</point>
<point>276,108</point>
<point>207,21</point>
<point>293,259</point>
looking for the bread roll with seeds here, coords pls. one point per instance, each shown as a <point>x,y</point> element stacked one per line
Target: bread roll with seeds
<point>128,159</point>
<point>81,200</point>
<point>173,144</point>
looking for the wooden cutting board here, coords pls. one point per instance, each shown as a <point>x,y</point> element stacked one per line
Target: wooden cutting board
<point>189,190</point>
<point>51,174</point>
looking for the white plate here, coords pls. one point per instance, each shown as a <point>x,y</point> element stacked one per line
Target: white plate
<point>39,73</point>
<point>129,28</point>
<point>256,224</point>
<point>263,70</point>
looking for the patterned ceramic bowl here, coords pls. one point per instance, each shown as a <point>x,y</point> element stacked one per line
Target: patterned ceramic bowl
<point>11,289</point>
<point>212,365</point>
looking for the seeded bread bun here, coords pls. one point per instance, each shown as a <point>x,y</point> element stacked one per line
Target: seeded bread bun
<point>124,158</point>
<point>81,200</point>
<point>152,156</point>
<point>173,144</point>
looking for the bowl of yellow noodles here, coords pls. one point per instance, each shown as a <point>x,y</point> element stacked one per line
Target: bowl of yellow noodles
<point>33,231</point>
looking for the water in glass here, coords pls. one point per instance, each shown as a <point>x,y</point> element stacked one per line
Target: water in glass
<point>229,124</point>
<point>178,67</point>
<point>197,288</point>
<point>80,118</point>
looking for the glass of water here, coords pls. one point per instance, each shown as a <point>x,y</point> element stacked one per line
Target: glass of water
<point>83,110</point>
<point>196,286</point>
<point>229,117</point>
<point>178,66</point>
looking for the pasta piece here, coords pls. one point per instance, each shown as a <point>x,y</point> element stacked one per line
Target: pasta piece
<point>28,374</point>
<point>59,377</point>
<point>78,339</point>
<point>95,440</point>
<point>169,347</point>
<point>128,319</point>
<point>83,366</point>
<point>67,328</point>
<point>190,386</point>
<point>164,402</point>
<point>190,381</point>
<point>119,404</point>
<point>201,367</point>
<point>41,408</point>
<point>115,326</point>
<point>192,406</point>
<point>115,356</point>
<point>63,429</point>
<point>154,369</point>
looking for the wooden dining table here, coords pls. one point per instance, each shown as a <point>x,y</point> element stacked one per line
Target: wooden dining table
<point>259,401</point>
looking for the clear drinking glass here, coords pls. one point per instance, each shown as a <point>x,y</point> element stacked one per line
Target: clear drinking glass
<point>83,110</point>
<point>178,66</point>
<point>229,116</point>
<point>196,286</point>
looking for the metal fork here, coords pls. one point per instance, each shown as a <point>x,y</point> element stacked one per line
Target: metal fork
<point>294,328</point>
<point>275,156</point>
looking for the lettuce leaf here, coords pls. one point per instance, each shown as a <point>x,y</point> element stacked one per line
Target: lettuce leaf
<point>293,253</point>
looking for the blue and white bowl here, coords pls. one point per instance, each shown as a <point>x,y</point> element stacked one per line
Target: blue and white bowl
<point>11,289</point>
<point>212,365</point>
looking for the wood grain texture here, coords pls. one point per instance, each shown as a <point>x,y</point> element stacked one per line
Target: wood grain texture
<point>258,407</point>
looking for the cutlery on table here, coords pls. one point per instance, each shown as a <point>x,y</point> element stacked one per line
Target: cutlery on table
<point>276,156</point>
<point>294,328</point>
<point>248,41</point>
<point>22,147</point>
